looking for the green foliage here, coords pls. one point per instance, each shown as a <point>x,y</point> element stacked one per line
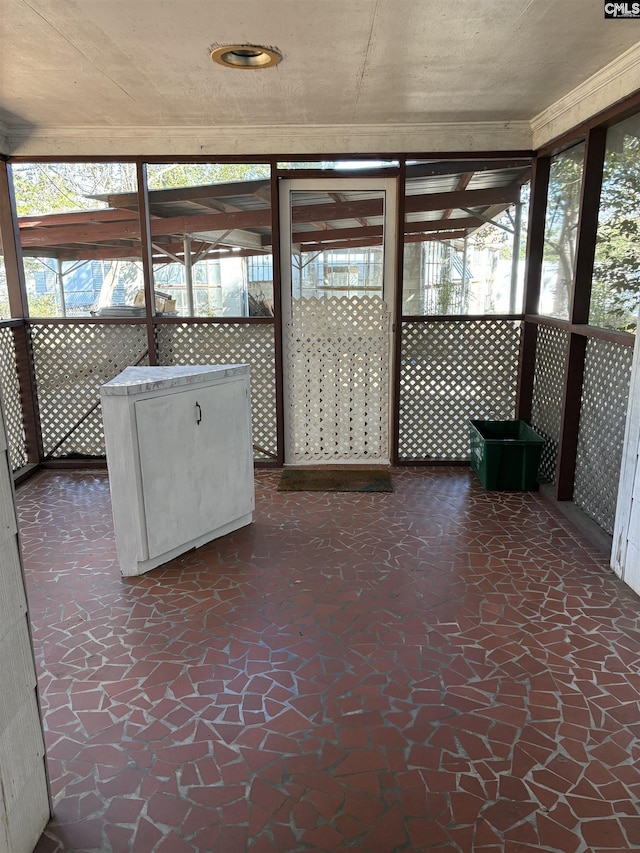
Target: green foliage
<point>42,188</point>
<point>43,305</point>
<point>446,292</point>
<point>47,188</point>
<point>170,175</point>
<point>616,275</point>
<point>561,225</point>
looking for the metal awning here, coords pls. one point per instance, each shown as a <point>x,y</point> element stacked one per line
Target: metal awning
<point>445,199</point>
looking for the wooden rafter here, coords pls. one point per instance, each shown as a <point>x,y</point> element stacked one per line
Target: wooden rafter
<point>83,217</point>
<point>463,183</point>
<point>365,242</point>
<point>458,167</point>
<point>80,232</point>
<point>422,226</point>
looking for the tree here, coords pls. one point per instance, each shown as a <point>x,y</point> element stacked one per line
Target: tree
<point>43,188</point>
<point>561,227</point>
<point>47,188</point>
<point>172,175</point>
<point>616,274</point>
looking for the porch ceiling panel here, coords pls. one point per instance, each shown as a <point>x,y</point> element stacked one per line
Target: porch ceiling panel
<point>109,70</point>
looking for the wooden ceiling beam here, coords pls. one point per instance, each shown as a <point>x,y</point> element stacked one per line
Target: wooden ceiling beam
<point>130,229</point>
<point>363,242</point>
<point>340,198</point>
<point>463,183</point>
<point>366,242</point>
<point>421,226</point>
<point>346,238</point>
<point>437,235</point>
<point>134,253</point>
<point>333,234</point>
<point>458,167</point>
<point>458,199</point>
<point>413,204</point>
<point>77,218</point>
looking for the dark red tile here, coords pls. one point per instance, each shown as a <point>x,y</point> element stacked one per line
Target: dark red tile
<point>361,761</point>
<point>506,813</point>
<point>425,833</point>
<point>266,796</point>
<point>512,788</point>
<point>124,810</point>
<point>422,693</point>
<point>119,837</point>
<point>556,836</point>
<point>170,811</point>
<point>604,833</point>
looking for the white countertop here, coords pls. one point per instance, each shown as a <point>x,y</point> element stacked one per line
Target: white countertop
<point>135,380</point>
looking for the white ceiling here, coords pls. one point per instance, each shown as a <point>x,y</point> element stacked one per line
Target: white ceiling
<point>136,76</point>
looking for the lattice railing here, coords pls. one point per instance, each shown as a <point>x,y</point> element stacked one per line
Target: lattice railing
<point>71,362</point>
<point>452,372</point>
<point>11,400</point>
<point>546,409</point>
<point>231,343</point>
<point>605,395</point>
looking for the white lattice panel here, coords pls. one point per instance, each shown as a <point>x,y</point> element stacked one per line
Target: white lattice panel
<point>337,376</point>
<point>605,396</point>
<point>11,400</point>
<point>546,409</point>
<point>71,363</point>
<point>452,372</point>
<point>231,343</point>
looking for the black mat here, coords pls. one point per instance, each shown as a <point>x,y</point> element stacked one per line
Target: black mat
<point>334,480</point>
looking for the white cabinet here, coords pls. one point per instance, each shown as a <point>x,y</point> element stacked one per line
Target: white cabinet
<point>180,459</point>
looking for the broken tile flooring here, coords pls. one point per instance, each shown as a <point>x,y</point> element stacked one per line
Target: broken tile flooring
<point>437,668</point>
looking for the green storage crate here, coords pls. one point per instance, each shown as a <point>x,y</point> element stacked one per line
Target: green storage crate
<point>505,454</point>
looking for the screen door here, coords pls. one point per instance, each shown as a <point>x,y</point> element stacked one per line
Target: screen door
<point>338,271</point>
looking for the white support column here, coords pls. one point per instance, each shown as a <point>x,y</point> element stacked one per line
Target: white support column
<point>188,274</point>
<point>60,281</point>
<point>517,227</point>
<point>465,247</point>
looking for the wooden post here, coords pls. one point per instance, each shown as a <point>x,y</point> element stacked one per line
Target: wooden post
<point>147,261</point>
<point>188,275</point>
<point>397,315</point>
<point>580,298</point>
<point>12,249</point>
<point>18,307</point>
<point>277,311</point>
<point>533,273</point>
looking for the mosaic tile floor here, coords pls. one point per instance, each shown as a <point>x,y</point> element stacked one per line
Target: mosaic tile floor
<point>437,668</point>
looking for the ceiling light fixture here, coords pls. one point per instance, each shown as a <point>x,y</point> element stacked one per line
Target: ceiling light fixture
<point>246,56</point>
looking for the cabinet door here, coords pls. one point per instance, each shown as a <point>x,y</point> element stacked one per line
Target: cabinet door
<point>196,462</point>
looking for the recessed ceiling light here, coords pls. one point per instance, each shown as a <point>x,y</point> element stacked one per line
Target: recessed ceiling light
<point>246,56</point>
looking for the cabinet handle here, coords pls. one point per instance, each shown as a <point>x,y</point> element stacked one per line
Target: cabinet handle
<point>198,414</point>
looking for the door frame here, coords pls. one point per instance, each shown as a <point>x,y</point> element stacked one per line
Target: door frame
<point>629,483</point>
<point>346,183</point>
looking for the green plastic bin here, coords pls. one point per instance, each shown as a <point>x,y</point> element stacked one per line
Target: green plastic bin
<point>505,455</point>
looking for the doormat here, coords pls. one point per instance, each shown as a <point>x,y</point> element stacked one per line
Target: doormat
<point>332,480</point>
